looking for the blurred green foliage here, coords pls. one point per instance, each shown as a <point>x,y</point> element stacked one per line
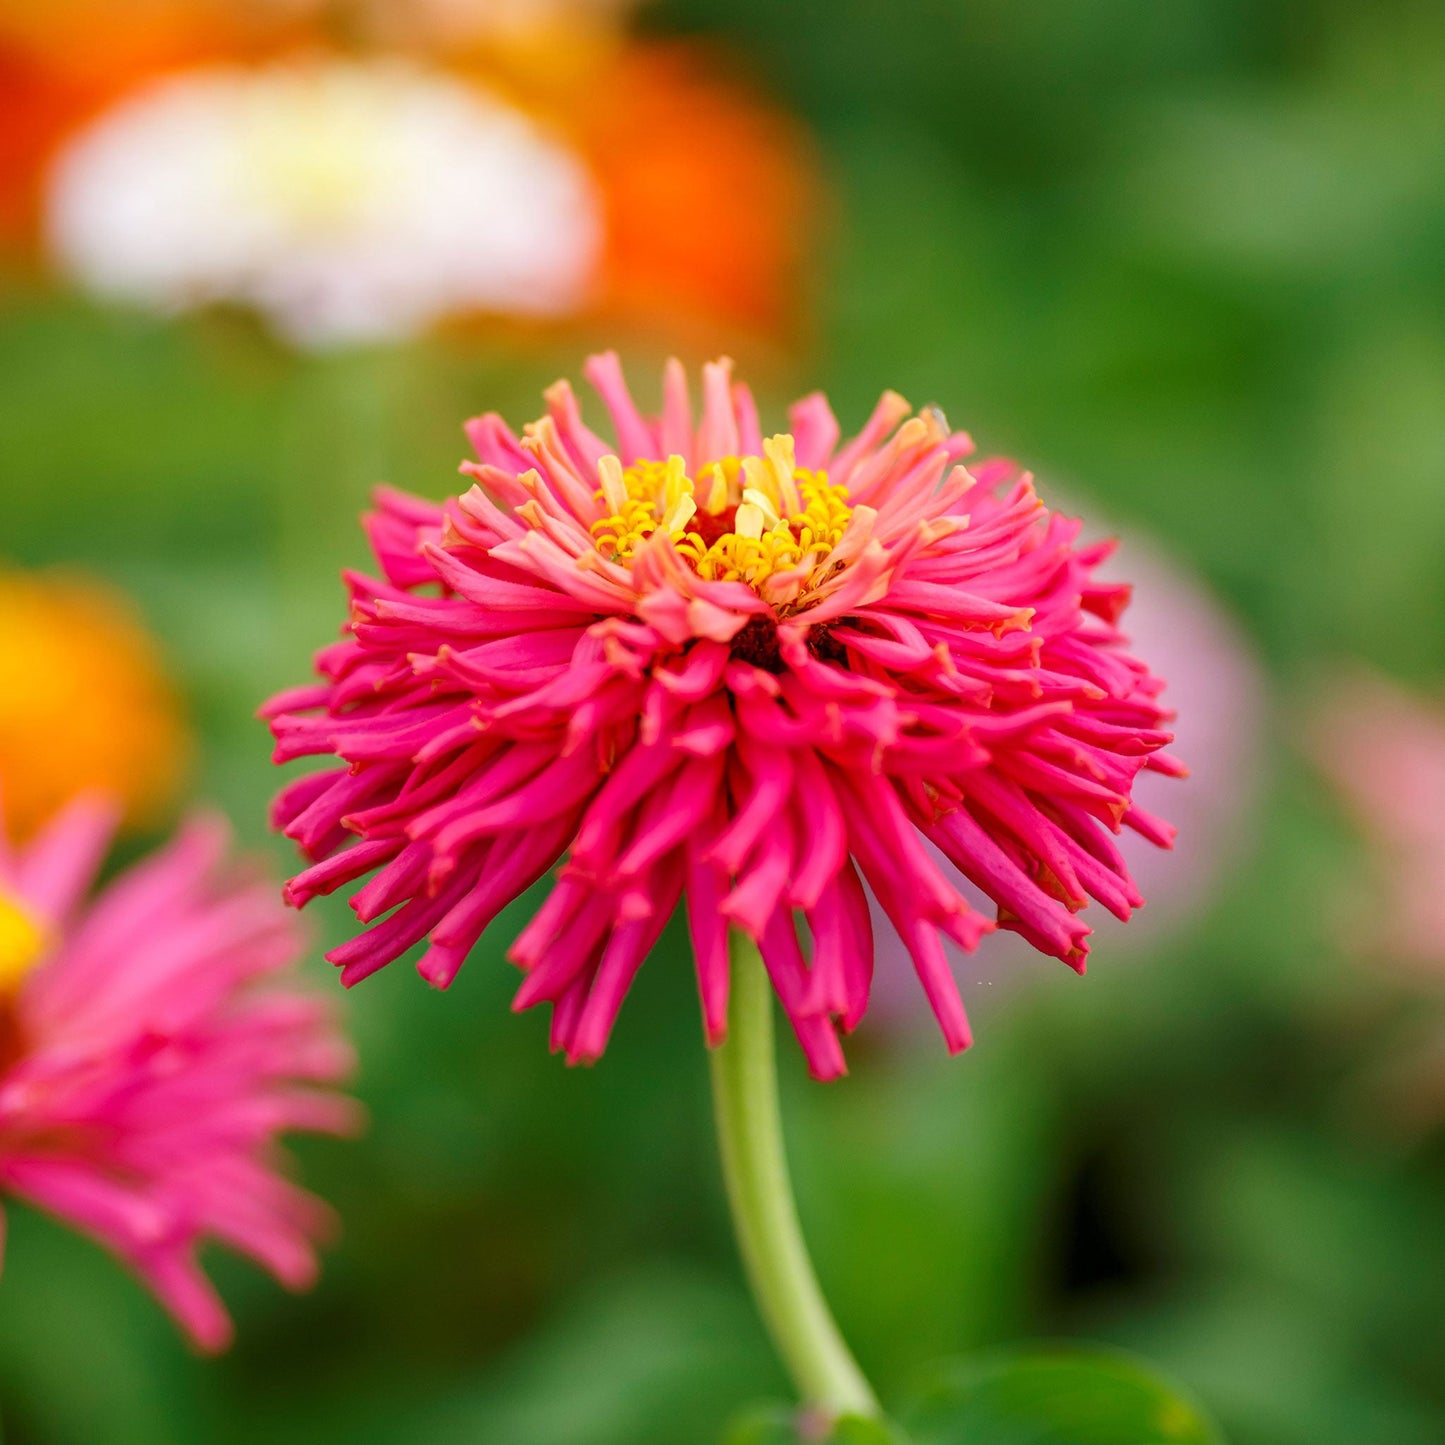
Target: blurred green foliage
<point>1055,1397</point>
<point>781,1425</point>
<point>1185,255</point>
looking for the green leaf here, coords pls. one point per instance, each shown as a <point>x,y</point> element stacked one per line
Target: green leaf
<point>1060,1396</point>
<point>772,1425</point>
<point>853,1430</point>
<point>780,1425</point>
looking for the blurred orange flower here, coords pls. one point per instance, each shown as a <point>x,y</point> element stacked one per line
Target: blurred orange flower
<point>85,704</point>
<point>520,27</point>
<point>65,61</point>
<point>712,200</point>
<point>705,191</point>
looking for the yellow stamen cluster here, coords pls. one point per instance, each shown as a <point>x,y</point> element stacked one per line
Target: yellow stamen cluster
<point>785,518</point>
<point>22,941</point>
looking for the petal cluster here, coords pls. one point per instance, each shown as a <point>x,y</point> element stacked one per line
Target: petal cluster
<point>151,1054</point>
<point>517,691</point>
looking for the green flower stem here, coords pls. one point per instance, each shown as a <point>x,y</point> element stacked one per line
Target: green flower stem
<point>750,1139</point>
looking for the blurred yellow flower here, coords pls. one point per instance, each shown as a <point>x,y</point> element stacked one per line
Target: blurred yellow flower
<point>22,941</point>
<point>84,703</point>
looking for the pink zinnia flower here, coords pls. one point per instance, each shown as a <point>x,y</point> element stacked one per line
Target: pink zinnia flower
<point>752,671</point>
<point>149,1059</point>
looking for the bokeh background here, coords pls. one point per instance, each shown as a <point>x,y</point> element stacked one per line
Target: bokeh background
<point>1183,259</point>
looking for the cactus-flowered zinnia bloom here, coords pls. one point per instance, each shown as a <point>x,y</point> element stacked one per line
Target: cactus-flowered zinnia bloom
<point>150,1055</point>
<point>85,704</point>
<point>753,671</point>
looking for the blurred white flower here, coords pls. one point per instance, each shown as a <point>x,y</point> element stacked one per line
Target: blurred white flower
<point>347,201</point>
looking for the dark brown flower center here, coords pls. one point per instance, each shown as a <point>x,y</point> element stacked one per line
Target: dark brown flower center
<point>757,643</point>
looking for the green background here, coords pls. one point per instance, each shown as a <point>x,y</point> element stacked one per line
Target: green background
<point>1187,254</point>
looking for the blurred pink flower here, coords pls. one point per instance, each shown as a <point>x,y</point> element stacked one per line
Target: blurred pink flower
<point>1218,689</point>
<point>1384,750</point>
<point>701,661</point>
<point>150,1056</point>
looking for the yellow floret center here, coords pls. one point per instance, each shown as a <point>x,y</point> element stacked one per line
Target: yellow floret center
<point>741,519</point>
<point>23,940</point>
